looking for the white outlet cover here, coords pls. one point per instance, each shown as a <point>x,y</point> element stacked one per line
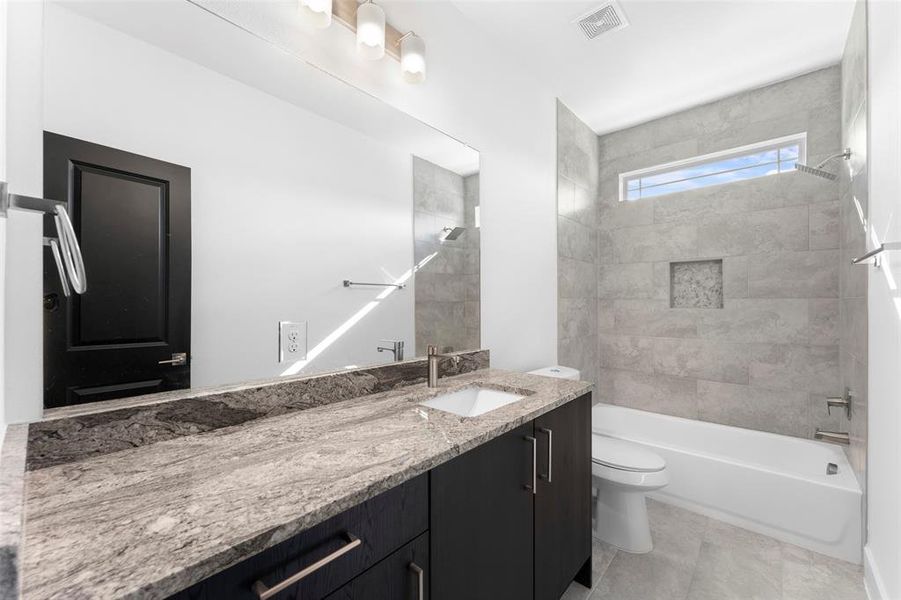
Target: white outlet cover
<point>292,341</point>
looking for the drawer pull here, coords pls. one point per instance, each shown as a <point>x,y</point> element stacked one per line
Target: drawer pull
<point>550,452</point>
<point>265,592</point>
<point>420,579</point>
<point>534,442</point>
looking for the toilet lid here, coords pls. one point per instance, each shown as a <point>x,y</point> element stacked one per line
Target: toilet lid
<point>619,454</point>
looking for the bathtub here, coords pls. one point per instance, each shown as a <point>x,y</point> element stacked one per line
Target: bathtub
<point>772,484</point>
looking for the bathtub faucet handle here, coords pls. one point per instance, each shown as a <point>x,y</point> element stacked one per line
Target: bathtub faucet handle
<point>843,402</point>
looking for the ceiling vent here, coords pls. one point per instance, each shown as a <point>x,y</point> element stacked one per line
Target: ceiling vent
<point>608,17</point>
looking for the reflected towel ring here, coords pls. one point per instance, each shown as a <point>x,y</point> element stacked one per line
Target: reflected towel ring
<point>71,253</point>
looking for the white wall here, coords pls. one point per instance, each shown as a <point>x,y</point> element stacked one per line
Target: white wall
<point>22,364</point>
<point>285,204</point>
<point>883,551</point>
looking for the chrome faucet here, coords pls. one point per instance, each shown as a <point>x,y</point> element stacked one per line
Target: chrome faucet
<point>838,437</point>
<point>434,357</point>
<point>396,348</point>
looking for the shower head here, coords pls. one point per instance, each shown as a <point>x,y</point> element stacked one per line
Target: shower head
<point>818,170</point>
<point>453,233</point>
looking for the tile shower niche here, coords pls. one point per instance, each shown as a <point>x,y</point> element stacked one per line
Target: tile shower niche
<point>696,284</point>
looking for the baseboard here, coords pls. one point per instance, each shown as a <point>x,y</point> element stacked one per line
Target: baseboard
<point>872,580</point>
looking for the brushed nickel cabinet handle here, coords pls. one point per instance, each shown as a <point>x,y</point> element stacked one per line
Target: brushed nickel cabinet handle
<point>264,592</point>
<point>534,486</point>
<point>420,579</point>
<point>550,452</point>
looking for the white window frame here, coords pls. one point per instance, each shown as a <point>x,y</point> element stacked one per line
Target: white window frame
<point>798,138</point>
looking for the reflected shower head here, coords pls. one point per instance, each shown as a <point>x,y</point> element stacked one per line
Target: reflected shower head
<point>818,170</point>
<point>453,232</point>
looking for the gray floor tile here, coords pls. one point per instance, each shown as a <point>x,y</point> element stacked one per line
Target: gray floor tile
<point>697,558</point>
<point>734,572</point>
<point>807,575</point>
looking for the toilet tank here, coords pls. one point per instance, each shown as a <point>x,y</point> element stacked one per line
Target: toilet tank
<point>558,372</point>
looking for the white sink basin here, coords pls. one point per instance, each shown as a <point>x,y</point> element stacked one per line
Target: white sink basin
<point>473,401</point>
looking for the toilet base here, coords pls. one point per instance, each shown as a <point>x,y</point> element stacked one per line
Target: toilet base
<point>621,517</point>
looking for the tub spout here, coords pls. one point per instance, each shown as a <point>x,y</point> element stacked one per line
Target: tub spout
<point>839,437</point>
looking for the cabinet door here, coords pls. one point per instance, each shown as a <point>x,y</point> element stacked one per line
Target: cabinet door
<point>481,522</point>
<point>563,502</point>
<point>402,576</point>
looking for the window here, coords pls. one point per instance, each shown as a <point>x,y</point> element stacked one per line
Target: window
<point>756,160</point>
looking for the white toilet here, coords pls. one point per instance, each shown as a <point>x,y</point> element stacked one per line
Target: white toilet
<point>622,473</point>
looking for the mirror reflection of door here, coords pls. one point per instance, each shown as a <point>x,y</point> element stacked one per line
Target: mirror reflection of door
<point>130,332</point>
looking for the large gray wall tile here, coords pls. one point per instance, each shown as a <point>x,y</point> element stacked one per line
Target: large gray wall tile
<point>626,352</point>
<point>702,359</point>
<point>783,321</point>
<point>654,318</point>
<point>824,226</point>
<point>635,280</point>
<point>665,394</point>
<point>794,275</point>
<point>754,408</point>
<point>759,231</point>
<point>789,367</point>
<point>663,241</point>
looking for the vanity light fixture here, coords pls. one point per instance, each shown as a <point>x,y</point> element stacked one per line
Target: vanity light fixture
<point>412,57</point>
<point>370,31</point>
<point>317,13</point>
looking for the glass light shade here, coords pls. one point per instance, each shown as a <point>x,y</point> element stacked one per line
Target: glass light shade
<point>412,58</point>
<point>317,13</point>
<point>370,31</point>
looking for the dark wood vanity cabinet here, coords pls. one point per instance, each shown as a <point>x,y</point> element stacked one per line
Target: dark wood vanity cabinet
<point>493,535</point>
<point>507,520</point>
<point>563,501</point>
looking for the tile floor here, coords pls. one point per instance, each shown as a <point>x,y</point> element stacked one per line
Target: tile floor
<point>697,558</point>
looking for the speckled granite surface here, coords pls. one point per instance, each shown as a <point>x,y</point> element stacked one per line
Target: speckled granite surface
<point>12,482</point>
<point>78,432</point>
<point>148,521</point>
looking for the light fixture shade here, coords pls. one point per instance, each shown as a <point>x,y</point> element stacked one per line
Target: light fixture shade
<point>412,58</point>
<point>370,31</point>
<point>317,13</point>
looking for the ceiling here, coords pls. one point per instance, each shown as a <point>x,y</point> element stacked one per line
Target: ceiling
<point>674,54</point>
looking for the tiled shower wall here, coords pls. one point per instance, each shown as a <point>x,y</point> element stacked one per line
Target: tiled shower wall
<point>447,284</point>
<point>577,184</point>
<point>853,202</point>
<point>767,358</point>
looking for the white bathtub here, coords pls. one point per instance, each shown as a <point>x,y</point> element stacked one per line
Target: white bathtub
<point>773,484</point>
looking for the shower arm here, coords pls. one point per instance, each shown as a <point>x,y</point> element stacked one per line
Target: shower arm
<point>65,249</point>
<point>846,155</point>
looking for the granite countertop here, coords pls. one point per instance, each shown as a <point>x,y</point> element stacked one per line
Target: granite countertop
<point>152,520</point>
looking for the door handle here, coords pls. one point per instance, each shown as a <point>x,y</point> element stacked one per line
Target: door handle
<point>550,452</point>
<point>178,359</point>
<point>420,579</point>
<point>534,486</point>
<point>264,592</point>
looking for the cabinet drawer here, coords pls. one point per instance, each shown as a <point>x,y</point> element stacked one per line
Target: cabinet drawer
<point>402,576</point>
<point>343,546</point>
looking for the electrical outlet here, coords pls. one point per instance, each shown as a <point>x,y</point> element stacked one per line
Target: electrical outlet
<point>292,341</point>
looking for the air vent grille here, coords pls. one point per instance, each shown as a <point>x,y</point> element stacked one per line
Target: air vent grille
<point>609,17</point>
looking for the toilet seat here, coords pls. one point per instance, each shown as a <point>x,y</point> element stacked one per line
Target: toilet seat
<point>624,456</point>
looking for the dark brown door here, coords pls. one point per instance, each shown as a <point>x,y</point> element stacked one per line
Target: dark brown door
<point>132,217</point>
<point>481,523</point>
<point>563,502</point>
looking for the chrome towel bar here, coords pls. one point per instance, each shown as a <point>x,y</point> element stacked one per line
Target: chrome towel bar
<point>348,283</point>
<point>875,252</point>
<point>65,249</point>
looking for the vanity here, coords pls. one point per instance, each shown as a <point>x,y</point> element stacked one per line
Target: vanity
<point>378,496</point>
